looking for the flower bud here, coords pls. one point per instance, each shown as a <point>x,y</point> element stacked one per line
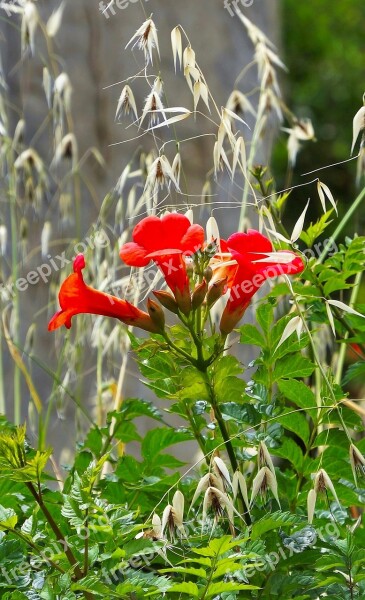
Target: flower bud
<point>183,301</point>
<point>208,273</point>
<point>156,313</point>
<point>167,301</point>
<point>199,294</point>
<point>216,291</point>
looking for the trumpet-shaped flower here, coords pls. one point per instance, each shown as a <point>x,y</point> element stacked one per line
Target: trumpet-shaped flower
<point>76,297</point>
<point>256,262</point>
<point>166,241</point>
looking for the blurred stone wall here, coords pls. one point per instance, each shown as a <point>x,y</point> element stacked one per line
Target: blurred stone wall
<point>90,48</point>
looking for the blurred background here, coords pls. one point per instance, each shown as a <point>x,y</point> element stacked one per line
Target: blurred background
<point>323,49</point>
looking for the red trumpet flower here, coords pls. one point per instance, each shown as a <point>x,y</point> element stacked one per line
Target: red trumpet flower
<point>256,262</point>
<point>76,297</point>
<point>166,241</point>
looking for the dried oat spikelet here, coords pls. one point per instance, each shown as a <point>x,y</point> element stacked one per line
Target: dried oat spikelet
<point>311,504</point>
<point>29,26</point>
<point>45,238</point>
<point>191,72</point>
<point>264,480</point>
<point>153,107</point>
<point>173,516</point>
<point>48,86</point>
<point>126,103</point>
<point>218,502</point>
<point>176,171</point>
<point>67,149</point>
<point>357,462</point>
<point>62,92</point>
<point>358,124</point>
<point>222,472</point>
<point>28,160</point>
<point>238,103</point>
<point>200,90</point>
<point>239,156</point>
<point>208,480</point>
<point>264,458</point>
<point>302,130</point>
<point>160,175</point>
<point>176,44</point>
<point>18,138</point>
<point>3,239</point>
<point>55,20</point>
<point>239,483</point>
<point>146,39</point>
<point>155,533</point>
<point>322,483</point>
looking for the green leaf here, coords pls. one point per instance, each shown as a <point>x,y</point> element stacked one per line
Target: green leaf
<point>290,451</point>
<point>93,585</point>
<point>251,335</point>
<point>201,573</point>
<point>274,521</point>
<point>298,392</point>
<point>158,439</point>
<point>265,317</point>
<point>355,370</point>
<point>230,586</point>
<point>293,366</point>
<point>8,518</point>
<point>192,385</point>
<point>295,422</point>
<point>185,588</point>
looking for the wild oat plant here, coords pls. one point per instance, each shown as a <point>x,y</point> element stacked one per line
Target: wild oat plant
<point>270,502</point>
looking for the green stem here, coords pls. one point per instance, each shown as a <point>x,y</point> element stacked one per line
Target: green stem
<point>38,551</point>
<point>225,435</point>
<point>56,530</point>
<point>180,351</point>
<point>342,353</point>
<point>198,436</point>
<point>16,309</point>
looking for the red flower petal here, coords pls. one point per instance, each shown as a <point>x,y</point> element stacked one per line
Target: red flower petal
<point>134,255</point>
<point>193,239</point>
<point>247,249</point>
<point>75,297</point>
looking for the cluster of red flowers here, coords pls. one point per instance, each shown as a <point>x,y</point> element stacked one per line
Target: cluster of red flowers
<point>241,265</point>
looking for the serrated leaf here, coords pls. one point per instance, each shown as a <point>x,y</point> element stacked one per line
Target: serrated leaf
<point>298,392</point>
<point>8,518</point>
<point>224,587</point>
<point>273,521</point>
<point>251,335</point>
<point>293,366</point>
<point>189,588</point>
<point>297,423</point>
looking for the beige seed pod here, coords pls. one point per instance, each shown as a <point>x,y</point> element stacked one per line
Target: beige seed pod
<point>146,39</point>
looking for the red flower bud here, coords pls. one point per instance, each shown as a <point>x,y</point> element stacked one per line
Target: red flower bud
<point>216,291</point>
<point>167,301</point>
<point>199,295</point>
<point>156,313</point>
